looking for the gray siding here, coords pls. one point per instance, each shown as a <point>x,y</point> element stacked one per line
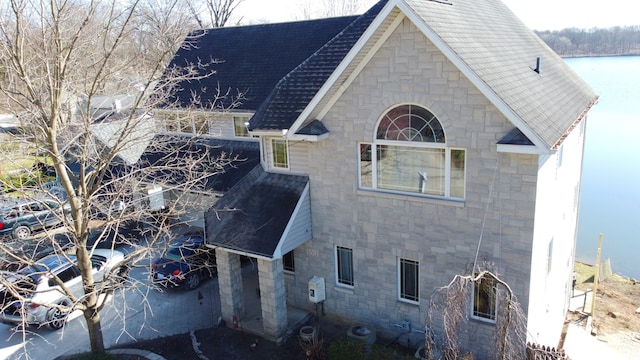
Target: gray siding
<point>299,230</point>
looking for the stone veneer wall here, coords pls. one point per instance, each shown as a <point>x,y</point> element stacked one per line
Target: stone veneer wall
<point>381,228</point>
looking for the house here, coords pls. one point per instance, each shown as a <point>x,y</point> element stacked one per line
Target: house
<point>397,149</point>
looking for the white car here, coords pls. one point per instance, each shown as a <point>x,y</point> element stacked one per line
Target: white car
<point>38,284</point>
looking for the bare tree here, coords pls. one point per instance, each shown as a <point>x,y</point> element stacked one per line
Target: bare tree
<point>217,12</point>
<point>332,8</point>
<point>159,29</point>
<point>448,315</point>
<point>60,60</point>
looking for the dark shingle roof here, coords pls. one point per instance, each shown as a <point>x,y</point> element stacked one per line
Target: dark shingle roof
<point>264,209</point>
<point>515,137</point>
<point>294,92</point>
<point>251,59</point>
<point>225,162</point>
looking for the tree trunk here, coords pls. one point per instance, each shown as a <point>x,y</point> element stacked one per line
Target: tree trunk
<point>91,304</point>
<point>92,317</point>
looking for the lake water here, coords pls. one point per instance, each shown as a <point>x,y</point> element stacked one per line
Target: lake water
<point>610,199</point>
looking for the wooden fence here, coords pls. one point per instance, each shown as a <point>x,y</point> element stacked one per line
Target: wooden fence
<point>538,352</point>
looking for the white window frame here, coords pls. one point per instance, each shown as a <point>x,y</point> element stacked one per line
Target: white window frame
<point>399,144</point>
<point>272,158</point>
<point>339,280</point>
<point>474,313</point>
<point>402,296</point>
<point>245,120</point>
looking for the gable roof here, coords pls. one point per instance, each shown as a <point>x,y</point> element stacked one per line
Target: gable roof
<point>248,59</point>
<point>286,68</point>
<point>266,204</point>
<point>485,40</point>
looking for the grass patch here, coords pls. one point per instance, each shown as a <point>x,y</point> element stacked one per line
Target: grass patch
<point>585,276</point>
<point>347,349</point>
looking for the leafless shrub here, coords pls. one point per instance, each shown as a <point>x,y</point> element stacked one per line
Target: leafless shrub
<point>448,316</point>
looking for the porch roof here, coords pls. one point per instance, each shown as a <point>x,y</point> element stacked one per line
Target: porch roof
<point>256,217</point>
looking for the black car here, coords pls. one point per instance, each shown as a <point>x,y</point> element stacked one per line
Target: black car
<point>184,264</point>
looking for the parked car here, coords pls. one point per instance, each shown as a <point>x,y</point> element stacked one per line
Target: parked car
<point>110,208</point>
<point>38,284</point>
<point>184,264</point>
<point>108,236</point>
<point>20,218</point>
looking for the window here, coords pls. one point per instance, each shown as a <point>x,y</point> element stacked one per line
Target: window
<point>408,272</point>
<point>549,256</point>
<point>240,126</point>
<point>65,275</point>
<point>344,265</point>
<point>410,155</point>
<point>288,262</point>
<point>484,299</point>
<point>200,124</point>
<point>280,153</point>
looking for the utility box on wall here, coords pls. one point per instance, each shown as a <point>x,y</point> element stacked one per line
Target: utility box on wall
<point>316,289</point>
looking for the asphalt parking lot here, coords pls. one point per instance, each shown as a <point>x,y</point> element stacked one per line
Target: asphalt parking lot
<point>135,314</point>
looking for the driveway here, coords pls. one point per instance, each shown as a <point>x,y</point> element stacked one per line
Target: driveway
<point>132,315</point>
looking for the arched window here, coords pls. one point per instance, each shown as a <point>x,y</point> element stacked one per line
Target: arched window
<point>411,155</point>
<point>410,123</point>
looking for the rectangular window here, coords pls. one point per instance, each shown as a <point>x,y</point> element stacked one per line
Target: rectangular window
<point>457,173</point>
<point>344,265</point>
<point>408,272</point>
<point>549,256</point>
<point>280,153</point>
<point>366,172</point>
<point>171,123</point>
<point>185,125</point>
<point>240,124</point>
<point>412,169</point>
<point>201,124</point>
<point>484,299</point>
<point>288,262</point>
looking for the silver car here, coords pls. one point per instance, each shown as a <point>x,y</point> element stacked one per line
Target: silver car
<point>38,284</point>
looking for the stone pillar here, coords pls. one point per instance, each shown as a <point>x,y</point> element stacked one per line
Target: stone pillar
<point>273,298</point>
<point>230,285</point>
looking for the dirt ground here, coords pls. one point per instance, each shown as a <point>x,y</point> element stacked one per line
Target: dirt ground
<point>225,343</point>
<point>616,303</point>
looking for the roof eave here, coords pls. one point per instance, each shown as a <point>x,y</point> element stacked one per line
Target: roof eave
<point>311,138</point>
<point>581,117</point>
<point>520,149</point>
<point>269,132</point>
<point>375,24</point>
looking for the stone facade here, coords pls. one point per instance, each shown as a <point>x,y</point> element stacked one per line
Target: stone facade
<point>230,281</point>
<point>497,213</point>
<point>273,297</point>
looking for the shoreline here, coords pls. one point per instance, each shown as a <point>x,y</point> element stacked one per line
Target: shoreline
<point>613,273</point>
<point>575,56</point>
